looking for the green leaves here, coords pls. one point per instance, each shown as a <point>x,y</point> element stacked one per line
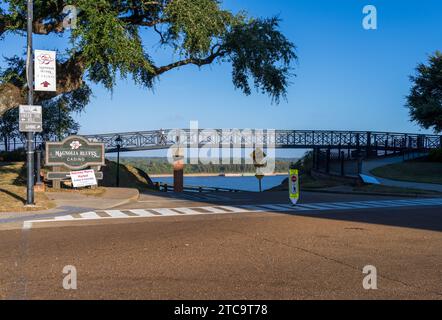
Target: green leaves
<point>258,50</point>
<point>195,24</point>
<point>425,99</point>
<point>106,43</point>
<point>110,45</point>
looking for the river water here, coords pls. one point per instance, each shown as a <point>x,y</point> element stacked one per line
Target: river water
<point>238,183</point>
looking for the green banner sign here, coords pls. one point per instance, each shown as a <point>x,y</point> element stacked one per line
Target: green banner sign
<point>75,153</point>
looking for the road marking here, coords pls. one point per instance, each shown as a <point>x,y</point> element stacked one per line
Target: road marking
<point>142,213</point>
<point>188,211</point>
<point>173,212</point>
<point>90,215</point>
<point>166,212</point>
<point>115,213</point>
<point>64,218</point>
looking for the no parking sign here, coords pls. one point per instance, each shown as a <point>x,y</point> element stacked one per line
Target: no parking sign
<point>294,186</point>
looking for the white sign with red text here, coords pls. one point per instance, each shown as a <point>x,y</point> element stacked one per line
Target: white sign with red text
<point>84,178</point>
<point>45,63</point>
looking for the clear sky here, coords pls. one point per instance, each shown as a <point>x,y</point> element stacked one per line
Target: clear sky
<point>348,78</point>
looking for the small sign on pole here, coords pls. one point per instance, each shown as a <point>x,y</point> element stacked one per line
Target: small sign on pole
<point>30,119</point>
<point>45,65</point>
<point>85,178</point>
<point>294,188</point>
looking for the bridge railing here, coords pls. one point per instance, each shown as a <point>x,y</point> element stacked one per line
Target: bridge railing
<point>278,139</point>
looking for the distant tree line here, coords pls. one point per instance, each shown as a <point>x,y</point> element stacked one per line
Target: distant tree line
<point>162,166</point>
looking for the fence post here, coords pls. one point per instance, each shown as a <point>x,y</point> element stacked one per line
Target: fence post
<point>368,144</point>
<point>342,155</point>
<point>327,164</point>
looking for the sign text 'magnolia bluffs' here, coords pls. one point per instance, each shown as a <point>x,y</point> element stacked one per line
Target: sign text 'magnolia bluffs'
<point>75,153</point>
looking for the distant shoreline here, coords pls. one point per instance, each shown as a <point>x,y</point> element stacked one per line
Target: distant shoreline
<point>228,175</point>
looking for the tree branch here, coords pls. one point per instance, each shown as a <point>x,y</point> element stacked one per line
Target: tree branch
<point>69,78</point>
<point>194,61</point>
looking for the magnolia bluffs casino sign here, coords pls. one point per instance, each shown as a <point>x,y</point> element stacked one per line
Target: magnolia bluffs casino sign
<point>75,153</point>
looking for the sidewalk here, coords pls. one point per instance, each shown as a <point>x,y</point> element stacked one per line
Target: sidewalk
<point>69,203</point>
<point>113,197</point>
<point>370,165</point>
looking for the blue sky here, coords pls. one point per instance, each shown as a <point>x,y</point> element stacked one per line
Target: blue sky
<point>347,78</point>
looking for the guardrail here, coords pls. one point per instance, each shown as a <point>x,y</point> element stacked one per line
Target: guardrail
<point>164,187</point>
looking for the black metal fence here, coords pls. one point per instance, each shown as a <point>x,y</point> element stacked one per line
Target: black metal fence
<point>369,142</point>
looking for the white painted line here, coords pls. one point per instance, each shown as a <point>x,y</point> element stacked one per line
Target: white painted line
<point>277,207</point>
<point>143,213</point>
<point>116,214</point>
<point>212,210</point>
<point>90,215</point>
<point>188,211</point>
<point>251,208</point>
<point>166,212</point>
<point>312,206</point>
<point>64,218</point>
<point>233,209</point>
<point>27,225</point>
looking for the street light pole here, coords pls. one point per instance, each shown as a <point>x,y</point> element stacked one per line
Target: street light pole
<point>118,141</point>
<point>30,135</point>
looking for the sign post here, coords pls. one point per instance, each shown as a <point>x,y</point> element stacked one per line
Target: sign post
<point>30,119</point>
<point>259,162</point>
<point>30,135</point>
<point>294,187</point>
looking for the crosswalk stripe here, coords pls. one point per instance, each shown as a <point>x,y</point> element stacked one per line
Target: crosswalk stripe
<point>116,214</point>
<point>162,212</point>
<point>90,215</point>
<point>166,212</point>
<point>212,210</point>
<point>142,213</point>
<point>277,207</point>
<point>311,206</point>
<point>64,218</point>
<point>188,211</point>
<point>233,209</point>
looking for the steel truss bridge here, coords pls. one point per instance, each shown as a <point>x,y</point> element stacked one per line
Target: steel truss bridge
<point>278,139</point>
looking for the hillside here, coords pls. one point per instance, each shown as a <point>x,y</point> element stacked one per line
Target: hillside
<point>155,166</point>
<point>130,176</point>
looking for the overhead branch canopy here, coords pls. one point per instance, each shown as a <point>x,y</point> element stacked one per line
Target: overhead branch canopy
<point>106,43</point>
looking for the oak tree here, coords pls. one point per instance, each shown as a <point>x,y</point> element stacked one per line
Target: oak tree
<point>425,98</point>
<point>108,43</point>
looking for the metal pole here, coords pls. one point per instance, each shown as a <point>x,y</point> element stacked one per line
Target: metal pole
<point>30,135</point>
<point>118,166</point>
<point>38,166</point>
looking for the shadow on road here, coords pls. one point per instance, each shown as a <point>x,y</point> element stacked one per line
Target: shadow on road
<point>415,218</point>
<point>425,218</point>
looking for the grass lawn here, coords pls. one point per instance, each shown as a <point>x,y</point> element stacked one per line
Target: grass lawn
<point>414,171</point>
<point>13,190</point>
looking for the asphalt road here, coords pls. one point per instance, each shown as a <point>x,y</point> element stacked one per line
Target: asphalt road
<point>266,255</point>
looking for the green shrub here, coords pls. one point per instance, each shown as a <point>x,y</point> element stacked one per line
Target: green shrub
<point>435,155</point>
<point>13,156</point>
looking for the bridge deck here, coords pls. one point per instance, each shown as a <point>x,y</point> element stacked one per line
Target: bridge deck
<point>277,139</point>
